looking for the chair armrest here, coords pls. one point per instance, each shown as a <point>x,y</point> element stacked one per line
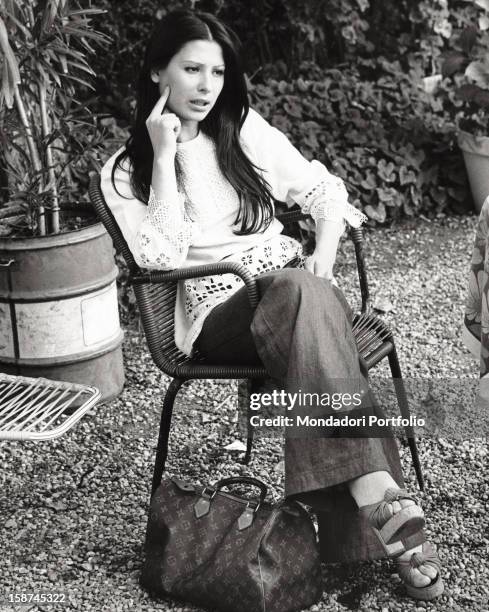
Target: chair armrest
<point>291,216</point>
<point>221,267</point>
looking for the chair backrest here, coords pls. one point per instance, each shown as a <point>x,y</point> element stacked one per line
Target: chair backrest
<point>107,218</point>
<point>156,302</point>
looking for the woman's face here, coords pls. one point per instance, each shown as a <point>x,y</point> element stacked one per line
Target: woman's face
<point>196,76</point>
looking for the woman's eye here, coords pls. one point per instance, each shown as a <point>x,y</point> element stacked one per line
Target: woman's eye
<point>219,72</point>
<point>191,69</point>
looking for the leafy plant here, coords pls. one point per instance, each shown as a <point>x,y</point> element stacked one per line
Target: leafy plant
<point>464,79</point>
<point>391,162</point>
<point>48,135</point>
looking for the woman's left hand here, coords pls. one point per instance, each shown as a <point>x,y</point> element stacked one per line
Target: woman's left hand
<point>321,262</point>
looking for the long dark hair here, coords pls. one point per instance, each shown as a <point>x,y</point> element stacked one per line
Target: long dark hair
<point>222,124</point>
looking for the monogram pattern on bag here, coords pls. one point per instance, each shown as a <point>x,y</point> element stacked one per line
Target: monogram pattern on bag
<point>272,566</point>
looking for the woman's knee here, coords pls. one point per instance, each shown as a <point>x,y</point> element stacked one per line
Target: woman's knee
<point>292,282</point>
<point>289,287</point>
<point>289,281</point>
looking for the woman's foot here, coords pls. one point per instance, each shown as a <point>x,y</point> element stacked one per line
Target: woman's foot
<point>394,519</point>
<point>420,570</point>
<point>392,513</point>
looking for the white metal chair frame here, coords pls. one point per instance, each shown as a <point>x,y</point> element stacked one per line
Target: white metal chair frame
<point>41,409</point>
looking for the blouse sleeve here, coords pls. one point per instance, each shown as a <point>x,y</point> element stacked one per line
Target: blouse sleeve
<point>293,178</point>
<point>164,237</point>
<point>158,234</point>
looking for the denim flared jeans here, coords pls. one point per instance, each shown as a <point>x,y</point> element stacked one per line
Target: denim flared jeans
<point>301,333</point>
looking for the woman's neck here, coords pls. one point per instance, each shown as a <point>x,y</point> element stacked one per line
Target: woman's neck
<point>189,131</point>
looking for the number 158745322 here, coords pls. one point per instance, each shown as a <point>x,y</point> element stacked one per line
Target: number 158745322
<point>23,598</point>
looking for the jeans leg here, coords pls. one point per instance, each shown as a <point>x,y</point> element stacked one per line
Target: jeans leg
<point>301,332</point>
<point>226,337</point>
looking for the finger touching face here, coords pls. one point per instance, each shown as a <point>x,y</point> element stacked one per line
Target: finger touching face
<point>160,106</point>
<point>195,76</point>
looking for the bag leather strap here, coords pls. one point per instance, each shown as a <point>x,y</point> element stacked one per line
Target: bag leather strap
<point>203,504</point>
<point>224,482</point>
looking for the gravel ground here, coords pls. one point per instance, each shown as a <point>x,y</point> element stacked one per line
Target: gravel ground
<point>74,510</point>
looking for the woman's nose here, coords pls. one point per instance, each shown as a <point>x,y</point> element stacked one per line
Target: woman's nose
<point>204,82</point>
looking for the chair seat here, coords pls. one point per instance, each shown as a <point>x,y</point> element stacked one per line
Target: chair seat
<point>373,338</point>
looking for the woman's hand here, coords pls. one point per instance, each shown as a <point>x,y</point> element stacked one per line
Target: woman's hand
<point>163,128</point>
<point>321,262</point>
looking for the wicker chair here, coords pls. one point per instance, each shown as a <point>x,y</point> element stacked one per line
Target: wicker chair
<point>156,294</point>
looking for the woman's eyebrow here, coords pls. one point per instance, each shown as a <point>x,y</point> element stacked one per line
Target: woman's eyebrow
<point>201,64</point>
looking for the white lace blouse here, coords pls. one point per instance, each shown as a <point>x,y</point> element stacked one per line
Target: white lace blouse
<point>198,228</point>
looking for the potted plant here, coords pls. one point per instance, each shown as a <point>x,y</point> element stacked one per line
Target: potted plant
<point>58,297</point>
<point>464,86</point>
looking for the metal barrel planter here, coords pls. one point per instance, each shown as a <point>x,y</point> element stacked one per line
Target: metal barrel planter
<point>475,150</point>
<point>58,309</point>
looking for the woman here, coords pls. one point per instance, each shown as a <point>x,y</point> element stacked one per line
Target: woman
<point>208,168</point>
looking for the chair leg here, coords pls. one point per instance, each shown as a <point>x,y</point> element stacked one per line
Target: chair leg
<point>249,447</point>
<point>165,423</point>
<point>405,413</point>
<point>253,386</point>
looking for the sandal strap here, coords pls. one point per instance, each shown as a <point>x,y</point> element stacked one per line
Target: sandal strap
<point>428,556</point>
<point>392,495</point>
<point>382,513</point>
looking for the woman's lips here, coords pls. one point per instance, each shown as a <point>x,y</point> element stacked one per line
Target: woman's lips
<point>200,105</point>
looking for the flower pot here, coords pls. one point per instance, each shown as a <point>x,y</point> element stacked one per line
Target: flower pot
<point>58,309</point>
<point>475,150</point>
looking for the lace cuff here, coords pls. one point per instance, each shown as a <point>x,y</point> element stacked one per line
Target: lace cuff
<point>165,234</point>
<point>328,201</point>
<point>339,213</point>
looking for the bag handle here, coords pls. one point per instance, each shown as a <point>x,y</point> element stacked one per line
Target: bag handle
<point>203,504</point>
<point>224,482</point>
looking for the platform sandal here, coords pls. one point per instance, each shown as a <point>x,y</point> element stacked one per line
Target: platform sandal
<point>428,556</point>
<point>392,527</point>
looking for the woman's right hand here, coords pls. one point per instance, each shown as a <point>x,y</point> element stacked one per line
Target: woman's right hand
<point>163,128</point>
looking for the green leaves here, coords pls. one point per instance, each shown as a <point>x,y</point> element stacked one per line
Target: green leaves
<point>292,106</point>
<point>454,62</point>
<point>478,71</point>
<point>465,66</point>
<point>377,134</point>
<point>377,212</point>
<point>9,69</point>
<point>468,38</point>
<point>386,171</point>
<point>44,48</point>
